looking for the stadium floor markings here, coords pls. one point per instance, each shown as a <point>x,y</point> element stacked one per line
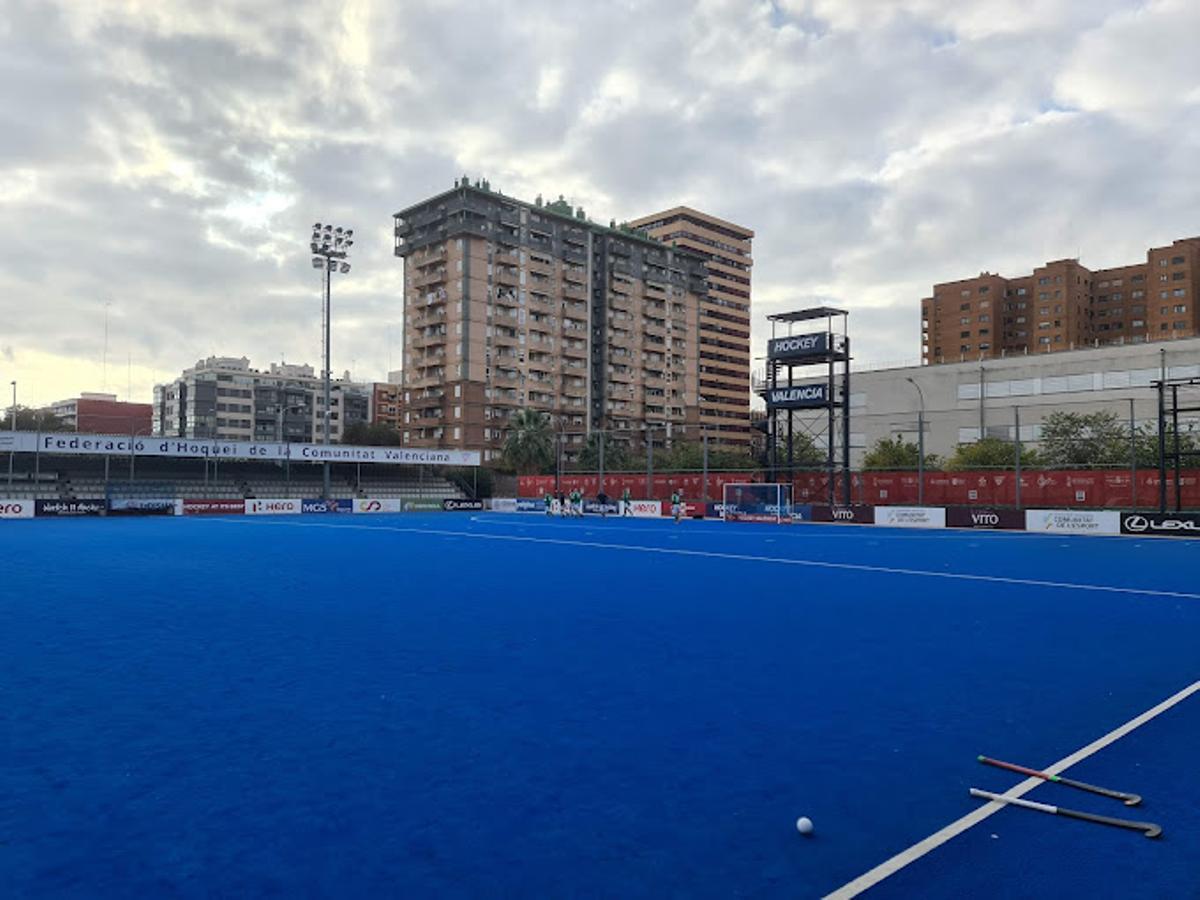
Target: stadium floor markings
<point>910,855</point>
<point>742,557</point>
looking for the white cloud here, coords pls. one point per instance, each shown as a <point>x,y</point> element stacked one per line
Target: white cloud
<point>172,155</point>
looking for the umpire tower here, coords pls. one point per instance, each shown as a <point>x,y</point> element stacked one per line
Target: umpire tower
<point>791,386</point>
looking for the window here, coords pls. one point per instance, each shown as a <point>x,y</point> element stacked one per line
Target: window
<point>1138,323</point>
<point>1043,280</point>
<point>1043,340</point>
<point>1179,326</point>
<point>1138,278</point>
<point>1177,260</point>
<point>1162,277</point>
<point>1117,295</point>
<point>983,331</point>
<point>966,347</point>
<point>965,320</point>
<point>1043,295</point>
<point>1102,284</point>
<point>1178,276</point>
<point>985,346</point>
<point>1020,292</point>
<point>1044,310</point>
<point>964,334</point>
<point>1181,307</point>
<point>985,318</point>
<point>1179,292</point>
<point>1162,263</point>
<point>1137,294</point>
<point>984,289</point>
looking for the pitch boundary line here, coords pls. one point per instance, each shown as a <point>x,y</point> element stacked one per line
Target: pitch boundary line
<point>741,557</point>
<point>906,857</point>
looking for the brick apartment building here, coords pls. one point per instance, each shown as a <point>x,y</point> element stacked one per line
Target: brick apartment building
<point>724,336</point>
<point>1063,305</point>
<point>510,305</point>
<point>384,408</point>
<point>94,413</point>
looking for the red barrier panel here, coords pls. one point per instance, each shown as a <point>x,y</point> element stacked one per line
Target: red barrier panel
<point>1095,488</point>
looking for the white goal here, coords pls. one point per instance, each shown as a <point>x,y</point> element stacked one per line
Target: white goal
<point>756,502</point>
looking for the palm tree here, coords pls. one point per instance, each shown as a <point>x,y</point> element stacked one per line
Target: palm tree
<point>529,447</point>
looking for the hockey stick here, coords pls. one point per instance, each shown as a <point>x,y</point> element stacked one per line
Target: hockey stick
<point>1148,829</point>
<point>1127,799</point>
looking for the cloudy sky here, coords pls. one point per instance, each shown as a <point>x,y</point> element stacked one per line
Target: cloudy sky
<point>167,159</point>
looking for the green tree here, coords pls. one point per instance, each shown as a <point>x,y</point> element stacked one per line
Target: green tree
<point>991,453</point>
<point>895,454</point>
<point>31,419</point>
<point>805,452</point>
<point>616,454</point>
<point>1146,445</point>
<point>364,434</point>
<point>1084,439</point>
<point>529,447</point>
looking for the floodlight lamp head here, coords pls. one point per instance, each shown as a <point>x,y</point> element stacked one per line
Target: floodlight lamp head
<point>349,232</point>
<point>338,230</point>
<point>317,227</point>
<point>313,247</point>
<point>316,262</point>
<point>345,268</point>
<point>328,229</point>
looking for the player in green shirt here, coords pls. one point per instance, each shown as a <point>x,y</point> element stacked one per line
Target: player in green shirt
<point>576,502</point>
<point>626,499</point>
<point>676,506</point>
<point>549,501</point>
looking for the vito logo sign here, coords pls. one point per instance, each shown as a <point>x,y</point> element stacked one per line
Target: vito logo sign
<point>809,396</point>
<point>799,346</point>
<point>1165,524</point>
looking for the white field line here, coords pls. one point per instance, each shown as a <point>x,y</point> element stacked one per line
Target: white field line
<point>889,867</point>
<point>741,557</point>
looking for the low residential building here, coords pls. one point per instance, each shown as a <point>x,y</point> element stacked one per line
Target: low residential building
<point>223,397</point>
<point>95,413</point>
<point>385,404</point>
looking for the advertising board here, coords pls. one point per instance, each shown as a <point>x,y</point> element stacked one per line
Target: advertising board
<point>856,514</point>
<point>70,507</point>
<point>985,518</point>
<point>1074,521</point>
<point>141,506</point>
<point>910,516</point>
<point>273,507</point>
<point>16,509</point>
<point>1175,524</point>
<point>374,505</point>
<point>457,504</point>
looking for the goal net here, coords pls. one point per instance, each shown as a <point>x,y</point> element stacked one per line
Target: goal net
<point>757,502</point>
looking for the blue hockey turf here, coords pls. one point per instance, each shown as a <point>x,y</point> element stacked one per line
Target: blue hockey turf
<point>495,705</point>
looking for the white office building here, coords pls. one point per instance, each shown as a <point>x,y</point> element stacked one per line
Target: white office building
<point>223,397</point>
<point>965,400</point>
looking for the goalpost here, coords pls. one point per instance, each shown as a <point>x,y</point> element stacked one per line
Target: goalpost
<point>757,502</point>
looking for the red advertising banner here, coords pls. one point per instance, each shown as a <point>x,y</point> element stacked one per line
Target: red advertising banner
<point>1056,489</point>
<point>213,507</point>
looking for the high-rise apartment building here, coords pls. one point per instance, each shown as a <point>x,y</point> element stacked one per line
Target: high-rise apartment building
<point>1062,305</point>
<point>223,398</point>
<point>724,337</point>
<point>511,305</point>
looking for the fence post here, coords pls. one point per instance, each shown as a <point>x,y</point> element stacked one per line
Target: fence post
<point>649,465</point>
<point>704,442</point>
<point>600,487</point>
<point>921,457</point>
<point>1017,437</point>
<point>1132,457</point>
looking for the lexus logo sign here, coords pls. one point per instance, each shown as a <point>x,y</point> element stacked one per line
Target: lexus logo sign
<point>1168,524</point>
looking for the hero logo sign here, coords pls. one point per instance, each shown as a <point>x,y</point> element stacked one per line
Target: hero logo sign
<point>1173,524</point>
<point>16,509</point>
<point>273,507</point>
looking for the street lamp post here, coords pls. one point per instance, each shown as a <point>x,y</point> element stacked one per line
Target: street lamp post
<point>12,427</point>
<point>920,444</point>
<point>330,246</point>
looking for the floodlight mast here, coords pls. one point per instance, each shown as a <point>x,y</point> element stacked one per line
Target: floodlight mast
<point>330,247</point>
